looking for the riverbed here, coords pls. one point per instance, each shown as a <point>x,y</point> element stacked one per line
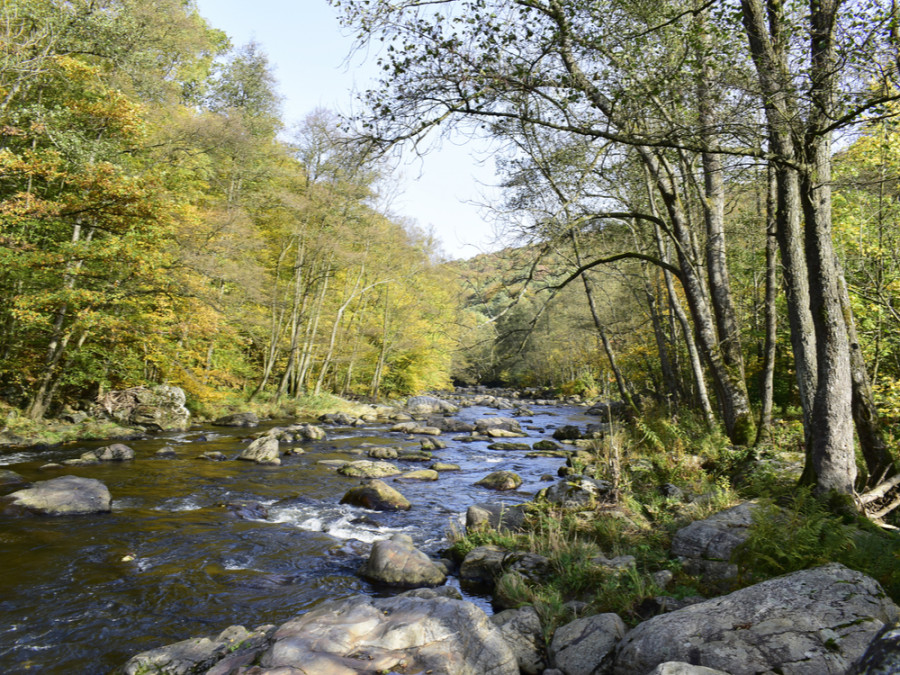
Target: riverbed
<point>172,560</point>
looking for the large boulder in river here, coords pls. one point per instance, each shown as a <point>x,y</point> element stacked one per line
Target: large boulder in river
<point>241,419</point>
<point>63,496</point>
<point>263,450</point>
<point>812,622</point>
<point>396,562</point>
<point>429,405</point>
<point>485,424</point>
<point>412,633</point>
<point>364,468</point>
<point>117,452</point>
<point>377,496</point>
<point>159,408</point>
<point>501,481</point>
<point>10,478</point>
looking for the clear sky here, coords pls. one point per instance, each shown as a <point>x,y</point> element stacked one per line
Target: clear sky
<point>309,53</point>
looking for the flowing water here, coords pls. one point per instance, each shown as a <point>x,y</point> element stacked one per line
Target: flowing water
<point>172,561</point>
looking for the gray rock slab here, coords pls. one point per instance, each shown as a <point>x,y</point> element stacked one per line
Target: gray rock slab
<point>407,633</point>
<point>812,622</point>
<point>585,646</point>
<point>63,496</point>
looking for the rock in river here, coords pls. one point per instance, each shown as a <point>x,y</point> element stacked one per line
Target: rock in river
<point>117,452</point>
<point>364,468</point>
<point>8,477</point>
<point>263,450</point>
<point>63,496</point>
<point>376,495</point>
<point>241,419</point>
<point>501,480</point>
<point>397,562</point>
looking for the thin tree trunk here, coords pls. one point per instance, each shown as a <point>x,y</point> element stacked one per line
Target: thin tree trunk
<point>621,384</point>
<point>767,381</point>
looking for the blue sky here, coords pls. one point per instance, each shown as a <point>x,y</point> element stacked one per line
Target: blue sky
<point>310,54</point>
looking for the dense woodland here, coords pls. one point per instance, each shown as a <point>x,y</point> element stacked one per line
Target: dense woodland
<point>701,199</point>
<point>162,223</point>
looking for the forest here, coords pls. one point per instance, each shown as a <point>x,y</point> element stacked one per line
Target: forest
<point>700,200</point>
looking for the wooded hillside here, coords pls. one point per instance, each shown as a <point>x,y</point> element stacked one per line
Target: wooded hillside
<point>162,223</point>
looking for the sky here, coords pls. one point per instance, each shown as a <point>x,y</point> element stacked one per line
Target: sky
<point>311,57</point>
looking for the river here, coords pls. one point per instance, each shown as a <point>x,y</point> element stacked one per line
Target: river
<point>83,594</point>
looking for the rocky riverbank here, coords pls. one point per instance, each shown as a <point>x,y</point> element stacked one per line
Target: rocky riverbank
<point>818,620</point>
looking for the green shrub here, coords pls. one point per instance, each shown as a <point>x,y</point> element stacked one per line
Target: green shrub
<point>802,534</point>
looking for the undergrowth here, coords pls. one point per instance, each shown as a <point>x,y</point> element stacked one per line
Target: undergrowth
<point>666,473</point>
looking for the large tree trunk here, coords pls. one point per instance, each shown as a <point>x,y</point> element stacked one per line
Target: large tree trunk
<point>829,425</point>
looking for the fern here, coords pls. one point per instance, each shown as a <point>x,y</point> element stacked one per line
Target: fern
<point>801,535</point>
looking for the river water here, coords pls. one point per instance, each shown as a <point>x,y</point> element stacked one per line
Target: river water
<point>83,594</point>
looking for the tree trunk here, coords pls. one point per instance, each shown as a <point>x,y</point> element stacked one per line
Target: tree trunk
<point>728,378</point>
<point>767,381</point>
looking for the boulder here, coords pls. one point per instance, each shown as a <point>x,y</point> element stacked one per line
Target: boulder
<point>248,510</point>
<point>482,566</point>
<point>166,452</point>
<point>429,444</point>
<point>577,492</point>
<point>545,445</point>
<point>159,408</point>
<point>504,433</point>
<point>414,456</point>
<point>199,655</point>
<point>117,452</point>
<point>8,478</point>
<point>429,405</point>
<point>509,446</point>
<point>568,432</point>
<point>411,633</point>
<point>812,622</point>
<point>705,546</point>
<point>214,456</point>
<point>501,481</point>
<point>421,475</point>
<point>63,496</point>
<point>364,468</point>
<point>485,424</point>
<point>241,419</point>
<point>262,451</point>
<point>396,562</point>
<point>382,453</point>
<point>882,656</point>
<point>377,496</point>
<point>522,631</point>
<point>495,516</point>
<point>416,428</point>
<point>308,432</point>
<point>585,646</point>
<point>297,432</point>
<point>444,466</point>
